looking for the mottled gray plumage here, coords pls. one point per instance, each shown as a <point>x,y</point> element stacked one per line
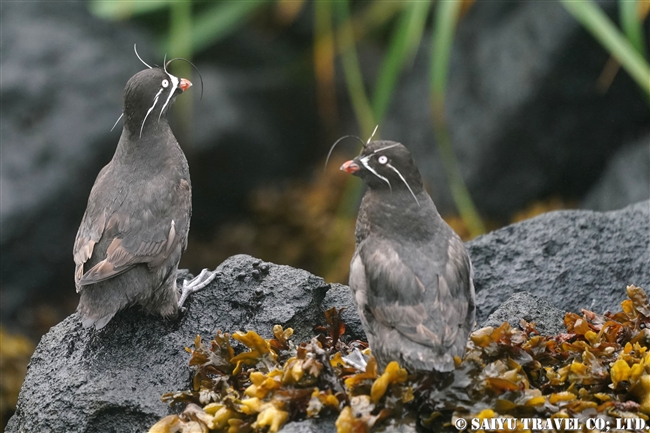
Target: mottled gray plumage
<point>137,220</point>
<point>410,274</point>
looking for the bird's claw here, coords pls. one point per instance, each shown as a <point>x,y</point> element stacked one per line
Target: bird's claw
<point>195,284</point>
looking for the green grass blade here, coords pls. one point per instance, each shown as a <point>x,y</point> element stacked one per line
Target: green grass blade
<point>324,53</point>
<point>352,71</point>
<point>403,46</point>
<point>219,21</point>
<point>600,26</point>
<point>180,31</point>
<point>372,17</point>
<point>119,10</point>
<point>346,45</point>
<point>180,34</point>
<point>443,38</point>
<point>447,14</point>
<point>632,24</point>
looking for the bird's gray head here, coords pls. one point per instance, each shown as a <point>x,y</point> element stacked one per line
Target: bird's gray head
<point>148,96</point>
<point>386,165</point>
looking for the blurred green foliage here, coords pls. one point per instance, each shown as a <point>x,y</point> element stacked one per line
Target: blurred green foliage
<point>443,36</point>
<point>339,26</point>
<point>193,26</point>
<point>629,47</point>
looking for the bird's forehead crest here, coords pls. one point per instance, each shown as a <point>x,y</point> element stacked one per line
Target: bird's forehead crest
<point>140,58</point>
<point>386,147</point>
<point>381,149</point>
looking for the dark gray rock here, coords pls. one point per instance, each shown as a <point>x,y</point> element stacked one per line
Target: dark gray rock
<point>327,425</point>
<point>340,296</point>
<point>572,259</point>
<point>324,425</point>
<point>548,319</point>
<point>525,116</point>
<point>626,179</point>
<point>81,380</point>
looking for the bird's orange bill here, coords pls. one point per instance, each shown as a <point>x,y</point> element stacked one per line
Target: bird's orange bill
<point>350,167</point>
<point>185,84</point>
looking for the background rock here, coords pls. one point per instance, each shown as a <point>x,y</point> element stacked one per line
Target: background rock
<point>88,381</point>
<point>525,114</point>
<point>626,179</point>
<point>572,259</point>
<point>255,125</point>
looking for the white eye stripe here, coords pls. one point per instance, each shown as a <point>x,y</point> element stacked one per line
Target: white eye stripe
<point>155,101</point>
<point>405,182</point>
<point>175,82</point>
<point>364,161</point>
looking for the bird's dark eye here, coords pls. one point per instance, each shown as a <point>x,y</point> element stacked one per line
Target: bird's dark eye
<point>165,83</point>
<point>383,159</point>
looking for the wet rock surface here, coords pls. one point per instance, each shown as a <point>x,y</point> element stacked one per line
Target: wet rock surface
<point>571,259</point>
<point>87,381</point>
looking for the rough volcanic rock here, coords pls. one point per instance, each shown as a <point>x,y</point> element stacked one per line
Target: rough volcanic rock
<point>340,297</point>
<point>548,319</point>
<point>325,425</point>
<point>572,259</point>
<point>81,380</point>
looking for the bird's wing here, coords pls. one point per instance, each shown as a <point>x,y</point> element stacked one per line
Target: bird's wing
<point>90,231</point>
<point>149,234</point>
<point>426,300</point>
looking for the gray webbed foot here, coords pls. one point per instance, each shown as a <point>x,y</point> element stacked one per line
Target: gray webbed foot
<point>195,284</point>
